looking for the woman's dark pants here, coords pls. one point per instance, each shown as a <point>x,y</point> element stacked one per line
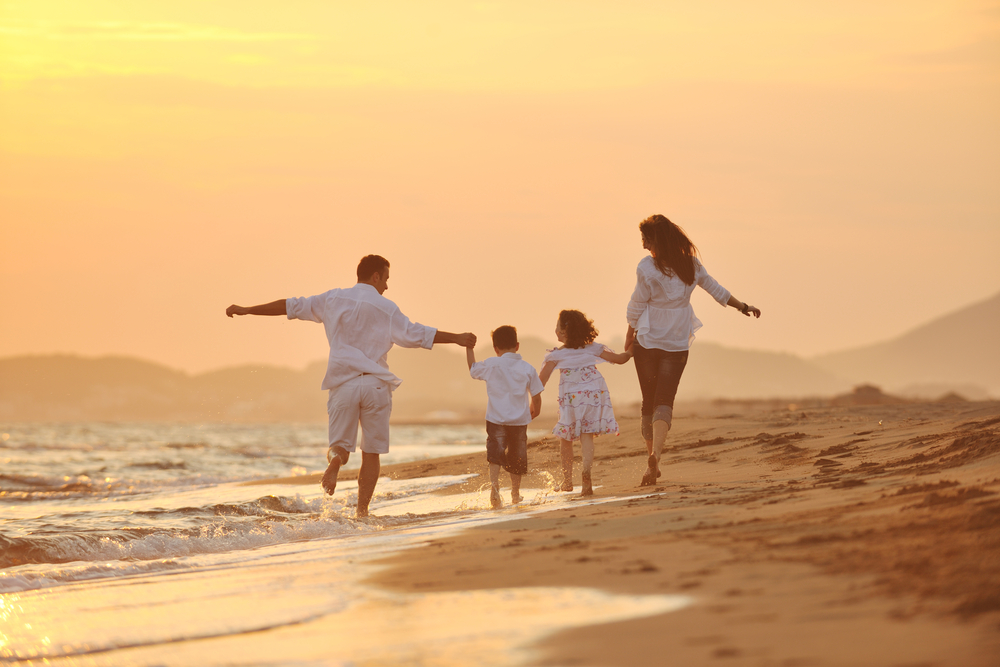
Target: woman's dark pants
<point>659,374</point>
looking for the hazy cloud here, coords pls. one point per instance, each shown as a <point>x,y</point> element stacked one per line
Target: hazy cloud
<point>139,31</point>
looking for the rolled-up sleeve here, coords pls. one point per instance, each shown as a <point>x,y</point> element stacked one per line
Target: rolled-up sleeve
<point>411,334</point>
<point>535,386</point>
<point>710,285</point>
<point>640,298</point>
<point>479,371</point>
<point>304,308</point>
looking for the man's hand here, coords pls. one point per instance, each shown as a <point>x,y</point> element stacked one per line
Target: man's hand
<point>236,310</point>
<point>466,340</point>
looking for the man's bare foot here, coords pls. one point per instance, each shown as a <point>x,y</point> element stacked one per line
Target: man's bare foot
<point>361,513</point>
<point>495,500</point>
<point>566,486</point>
<point>330,476</point>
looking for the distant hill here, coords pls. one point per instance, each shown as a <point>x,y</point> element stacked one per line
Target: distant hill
<point>957,354</point>
<point>68,387</point>
<point>436,385</point>
<point>962,348</point>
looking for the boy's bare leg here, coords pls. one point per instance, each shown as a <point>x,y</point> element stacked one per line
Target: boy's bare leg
<point>515,488</point>
<point>587,448</point>
<point>337,459</point>
<point>371,466</point>
<point>495,501</point>
<point>566,451</point>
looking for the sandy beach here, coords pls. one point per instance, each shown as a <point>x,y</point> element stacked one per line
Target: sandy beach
<point>863,535</point>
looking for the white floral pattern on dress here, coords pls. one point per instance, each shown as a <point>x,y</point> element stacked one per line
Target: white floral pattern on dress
<point>584,404</point>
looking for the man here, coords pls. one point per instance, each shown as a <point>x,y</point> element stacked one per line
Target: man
<point>361,326</point>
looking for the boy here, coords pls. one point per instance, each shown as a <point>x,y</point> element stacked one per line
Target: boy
<point>509,382</point>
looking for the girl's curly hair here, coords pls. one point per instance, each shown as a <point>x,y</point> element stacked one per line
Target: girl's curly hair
<point>579,330</point>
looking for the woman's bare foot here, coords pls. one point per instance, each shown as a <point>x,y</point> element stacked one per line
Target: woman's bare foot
<point>330,476</point>
<point>652,472</point>
<point>515,498</point>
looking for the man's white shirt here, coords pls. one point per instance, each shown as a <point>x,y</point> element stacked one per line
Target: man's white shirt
<point>361,326</point>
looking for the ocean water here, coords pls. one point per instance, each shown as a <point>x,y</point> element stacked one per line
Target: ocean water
<point>139,544</point>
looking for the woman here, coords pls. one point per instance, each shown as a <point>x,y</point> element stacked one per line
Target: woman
<point>662,325</point>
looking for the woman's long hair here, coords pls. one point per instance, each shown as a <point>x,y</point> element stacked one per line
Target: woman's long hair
<point>579,330</point>
<point>673,251</point>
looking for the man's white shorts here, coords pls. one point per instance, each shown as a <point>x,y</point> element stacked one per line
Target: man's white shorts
<point>364,400</point>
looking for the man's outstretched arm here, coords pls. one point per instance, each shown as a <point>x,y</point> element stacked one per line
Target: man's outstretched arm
<point>463,339</point>
<point>273,308</point>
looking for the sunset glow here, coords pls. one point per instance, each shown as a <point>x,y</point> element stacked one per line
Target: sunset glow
<point>162,160</point>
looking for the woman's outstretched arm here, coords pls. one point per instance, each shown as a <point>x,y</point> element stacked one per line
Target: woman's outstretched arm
<point>744,308</point>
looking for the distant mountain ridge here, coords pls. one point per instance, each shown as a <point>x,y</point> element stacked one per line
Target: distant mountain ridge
<point>961,348</point>
<point>955,353</point>
<point>68,388</point>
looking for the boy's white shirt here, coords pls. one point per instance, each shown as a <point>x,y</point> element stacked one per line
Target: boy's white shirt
<point>510,383</point>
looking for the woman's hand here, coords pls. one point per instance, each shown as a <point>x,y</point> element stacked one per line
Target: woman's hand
<point>629,338</point>
<point>743,307</point>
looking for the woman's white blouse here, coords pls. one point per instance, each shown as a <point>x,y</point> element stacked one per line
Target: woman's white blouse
<point>660,309</point>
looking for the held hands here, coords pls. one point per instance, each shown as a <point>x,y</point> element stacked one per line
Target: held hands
<point>466,339</point>
<point>629,339</point>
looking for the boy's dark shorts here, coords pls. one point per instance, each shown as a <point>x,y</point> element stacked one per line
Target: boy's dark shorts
<point>507,446</point>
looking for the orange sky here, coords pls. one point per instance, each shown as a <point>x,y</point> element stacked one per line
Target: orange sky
<point>837,165</point>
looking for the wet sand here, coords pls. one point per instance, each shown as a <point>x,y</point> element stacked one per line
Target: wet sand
<point>864,535</point>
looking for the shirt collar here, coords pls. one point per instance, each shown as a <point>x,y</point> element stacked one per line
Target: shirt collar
<point>511,355</point>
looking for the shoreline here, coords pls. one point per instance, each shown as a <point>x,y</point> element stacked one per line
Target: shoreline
<point>838,535</point>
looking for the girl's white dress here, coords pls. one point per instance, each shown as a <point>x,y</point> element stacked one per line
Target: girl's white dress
<point>584,399</point>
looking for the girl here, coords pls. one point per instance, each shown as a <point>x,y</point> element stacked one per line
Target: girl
<point>661,325</point>
<point>584,402</point>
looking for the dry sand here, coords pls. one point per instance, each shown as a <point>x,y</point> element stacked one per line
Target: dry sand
<point>865,535</point>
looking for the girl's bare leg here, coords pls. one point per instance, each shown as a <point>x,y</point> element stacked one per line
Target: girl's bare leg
<point>587,447</point>
<point>566,451</point>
